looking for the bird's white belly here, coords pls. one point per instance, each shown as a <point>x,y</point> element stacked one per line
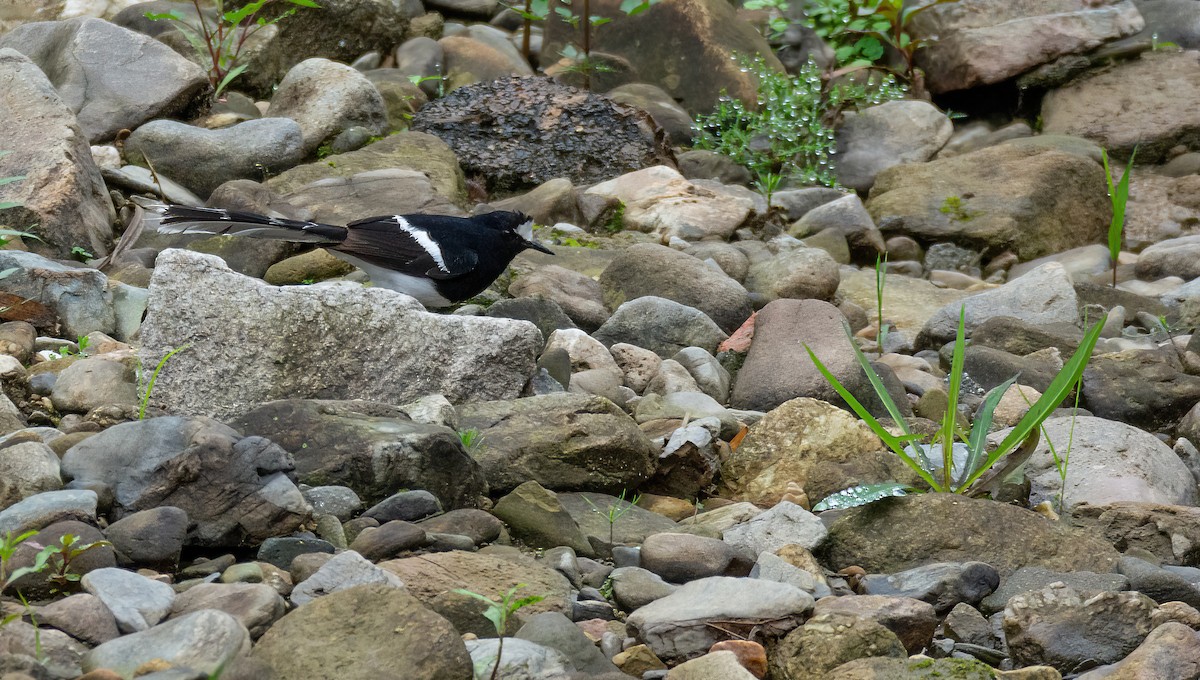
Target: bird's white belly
<point>419,288</point>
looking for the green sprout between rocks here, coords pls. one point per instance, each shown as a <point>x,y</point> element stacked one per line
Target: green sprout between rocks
<point>471,439</point>
<point>1118,194</point>
<point>148,389</point>
<point>579,54</point>
<point>219,45</point>
<point>880,282</point>
<point>615,511</point>
<point>498,612</point>
<point>789,131</point>
<point>936,462</point>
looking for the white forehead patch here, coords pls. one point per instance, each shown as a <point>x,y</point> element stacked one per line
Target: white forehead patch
<point>525,230</point>
<point>422,240</point>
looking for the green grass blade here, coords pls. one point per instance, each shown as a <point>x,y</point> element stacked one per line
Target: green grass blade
<point>1058,390</point>
<point>896,444</point>
<point>10,180</point>
<point>977,443</point>
<point>877,384</point>
<point>949,420</point>
<point>861,495</point>
<point>1119,198</point>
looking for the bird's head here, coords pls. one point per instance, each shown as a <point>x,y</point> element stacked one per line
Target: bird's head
<point>516,226</point>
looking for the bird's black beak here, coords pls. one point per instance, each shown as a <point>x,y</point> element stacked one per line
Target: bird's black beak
<point>530,243</point>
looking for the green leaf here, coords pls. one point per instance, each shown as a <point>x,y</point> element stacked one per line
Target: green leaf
<point>1058,390</point>
<point>233,73</point>
<point>977,443</point>
<point>305,3</point>
<point>870,48</point>
<point>173,15</point>
<point>524,601</point>
<point>896,444</point>
<point>10,180</point>
<point>599,21</point>
<point>22,234</point>
<point>1119,195</point>
<point>235,17</point>
<point>861,495</point>
<point>498,617</point>
<point>950,418</point>
<point>5,205</point>
<point>477,596</point>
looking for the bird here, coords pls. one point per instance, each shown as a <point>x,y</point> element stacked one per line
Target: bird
<point>440,260</point>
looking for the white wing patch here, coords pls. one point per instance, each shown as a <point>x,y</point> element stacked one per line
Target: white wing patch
<point>423,240</point>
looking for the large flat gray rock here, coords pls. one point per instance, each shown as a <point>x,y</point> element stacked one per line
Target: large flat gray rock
<point>251,343</point>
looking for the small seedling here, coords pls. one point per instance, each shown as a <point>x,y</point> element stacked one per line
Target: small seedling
<point>1118,194</point>
<point>146,390</point>
<point>62,578</point>
<point>472,439</point>
<point>955,209</point>
<point>615,511</point>
<point>498,613</point>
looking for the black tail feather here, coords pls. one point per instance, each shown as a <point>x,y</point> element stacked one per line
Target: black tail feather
<point>180,219</point>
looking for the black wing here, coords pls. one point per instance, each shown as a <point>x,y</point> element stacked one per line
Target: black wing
<point>399,243</point>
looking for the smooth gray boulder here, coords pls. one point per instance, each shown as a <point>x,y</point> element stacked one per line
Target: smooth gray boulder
<point>63,197</point>
<point>111,77</point>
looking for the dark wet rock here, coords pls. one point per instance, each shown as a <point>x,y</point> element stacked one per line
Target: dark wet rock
<point>1144,388</point>
<point>1058,626</point>
<point>371,447</point>
<point>234,489</point>
<point>943,585</point>
<point>520,132</point>
<point>150,538</point>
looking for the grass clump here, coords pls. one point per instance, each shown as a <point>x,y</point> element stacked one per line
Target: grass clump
<point>788,133</point>
<point>944,464</point>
